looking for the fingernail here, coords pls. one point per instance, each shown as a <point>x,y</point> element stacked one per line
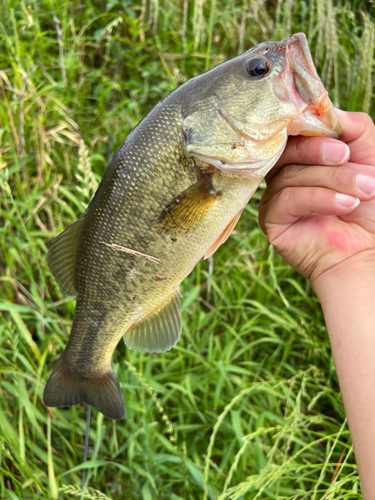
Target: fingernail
<point>347,201</point>
<point>365,183</point>
<point>335,152</point>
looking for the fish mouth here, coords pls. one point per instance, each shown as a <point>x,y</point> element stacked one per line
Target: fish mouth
<point>305,89</point>
<point>299,41</point>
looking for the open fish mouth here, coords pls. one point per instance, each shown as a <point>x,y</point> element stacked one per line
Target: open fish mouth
<point>302,85</point>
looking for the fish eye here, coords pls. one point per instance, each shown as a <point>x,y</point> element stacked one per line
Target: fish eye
<point>257,67</point>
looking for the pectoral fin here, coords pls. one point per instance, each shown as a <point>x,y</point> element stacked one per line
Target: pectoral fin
<point>160,331</point>
<point>224,236</point>
<point>187,210</point>
<point>62,256</point>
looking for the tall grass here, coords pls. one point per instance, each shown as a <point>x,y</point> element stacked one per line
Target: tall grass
<point>247,406</point>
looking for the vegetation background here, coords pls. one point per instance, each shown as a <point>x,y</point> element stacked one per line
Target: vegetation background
<point>247,406</point>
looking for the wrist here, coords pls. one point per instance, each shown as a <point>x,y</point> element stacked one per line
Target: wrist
<point>351,279</point>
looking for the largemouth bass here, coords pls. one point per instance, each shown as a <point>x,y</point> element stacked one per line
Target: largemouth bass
<point>172,194</point>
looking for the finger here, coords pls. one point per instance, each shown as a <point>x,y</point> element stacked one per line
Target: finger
<point>358,131</point>
<point>353,179</point>
<point>312,151</point>
<point>292,203</point>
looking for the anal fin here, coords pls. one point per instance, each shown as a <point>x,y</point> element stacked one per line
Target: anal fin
<point>224,235</point>
<point>62,256</point>
<point>160,330</point>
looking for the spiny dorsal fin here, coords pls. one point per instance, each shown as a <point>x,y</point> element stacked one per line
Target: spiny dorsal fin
<point>62,256</point>
<point>224,236</point>
<point>160,331</point>
<point>187,210</point>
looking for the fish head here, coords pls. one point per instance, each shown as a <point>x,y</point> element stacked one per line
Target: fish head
<point>241,113</point>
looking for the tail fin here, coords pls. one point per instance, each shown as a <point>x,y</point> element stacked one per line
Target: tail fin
<point>102,391</point>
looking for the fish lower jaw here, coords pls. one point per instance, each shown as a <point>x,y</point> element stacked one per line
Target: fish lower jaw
<point>313,126</point>
<point>319,120</point>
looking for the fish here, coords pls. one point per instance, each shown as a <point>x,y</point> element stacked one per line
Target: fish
<point>171,195</point>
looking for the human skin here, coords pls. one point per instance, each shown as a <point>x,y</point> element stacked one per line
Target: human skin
<point>318,211</point>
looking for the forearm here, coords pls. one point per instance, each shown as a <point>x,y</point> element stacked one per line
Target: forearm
<point>347,295</point>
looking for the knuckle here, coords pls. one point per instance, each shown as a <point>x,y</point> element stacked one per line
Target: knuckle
<point>284,196</point>
<point>300,146</point>
<point>362,121</point>
<point>289,171</point>
<point>367,120</point>
<point>343,177</point>
<point>350,177</point>
<point>312,192</point>
<point>338,174</point>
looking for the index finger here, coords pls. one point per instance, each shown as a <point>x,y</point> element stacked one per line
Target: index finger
<point>357,143</point>
<point>312,151</point>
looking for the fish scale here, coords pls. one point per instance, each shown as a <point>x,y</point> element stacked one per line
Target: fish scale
<point>172,194</point>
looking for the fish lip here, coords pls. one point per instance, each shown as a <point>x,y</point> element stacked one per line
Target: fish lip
<point>302,39</point>
<point>286,43</point>
<point>298,50</point>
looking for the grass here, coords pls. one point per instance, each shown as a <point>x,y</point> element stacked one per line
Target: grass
<point>247,406</point>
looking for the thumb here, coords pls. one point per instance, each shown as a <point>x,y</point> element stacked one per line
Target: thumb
<point>358,132</point>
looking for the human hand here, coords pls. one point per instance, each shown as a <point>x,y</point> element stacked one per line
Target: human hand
<point>320,216</point>
<point>319,213</point>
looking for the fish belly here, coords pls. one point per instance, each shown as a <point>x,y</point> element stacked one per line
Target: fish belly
<point>125,288</point>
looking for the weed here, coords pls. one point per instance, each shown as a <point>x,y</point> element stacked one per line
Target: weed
<point>247,405</point>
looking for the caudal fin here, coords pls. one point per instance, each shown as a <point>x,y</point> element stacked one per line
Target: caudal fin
<point>102,391</point>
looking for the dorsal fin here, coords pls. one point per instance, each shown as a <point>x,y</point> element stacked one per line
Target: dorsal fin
<point>62,256</point>
<point>160,331</point>
<point>224,236</point>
